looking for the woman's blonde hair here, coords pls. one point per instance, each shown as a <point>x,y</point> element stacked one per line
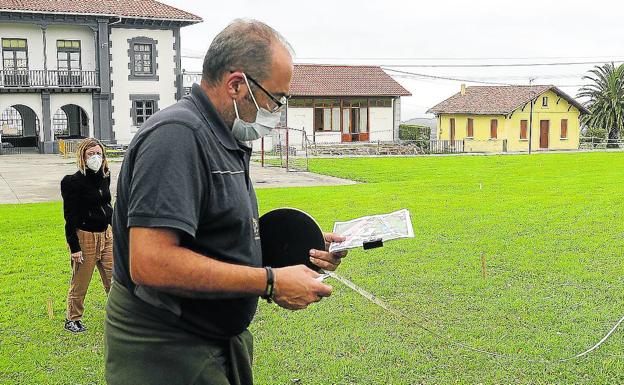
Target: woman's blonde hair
<point>82,149</point>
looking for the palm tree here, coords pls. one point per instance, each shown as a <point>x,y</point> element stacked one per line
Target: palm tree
<point>605,94</point>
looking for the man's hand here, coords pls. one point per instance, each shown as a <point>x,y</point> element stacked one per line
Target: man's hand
<point>77,257</point>
<point>324,259</point>
<point>296,287</point>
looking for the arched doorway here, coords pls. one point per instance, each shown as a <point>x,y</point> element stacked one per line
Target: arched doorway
<point>20,126</point>
<point>70,122</point>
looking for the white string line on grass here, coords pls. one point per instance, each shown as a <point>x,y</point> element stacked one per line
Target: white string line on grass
<point>11,188</point>
<point>373,299</point>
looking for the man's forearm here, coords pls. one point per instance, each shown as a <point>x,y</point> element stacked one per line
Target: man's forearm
<point>185,273</point>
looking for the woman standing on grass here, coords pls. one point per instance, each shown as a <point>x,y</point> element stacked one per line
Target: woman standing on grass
<point>88,212</point>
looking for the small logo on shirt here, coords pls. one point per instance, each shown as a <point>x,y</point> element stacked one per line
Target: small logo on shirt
<point>256,228</point>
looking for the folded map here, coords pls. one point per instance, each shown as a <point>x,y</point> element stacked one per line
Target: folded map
<point>374,228</point>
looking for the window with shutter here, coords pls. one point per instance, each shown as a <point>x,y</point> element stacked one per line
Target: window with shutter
<point>564,128</point>
<point>523,129</point>
<point>470,128</point>
<point>494,128</point>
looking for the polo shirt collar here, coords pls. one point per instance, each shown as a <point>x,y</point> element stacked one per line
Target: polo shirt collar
<point>216,123</point>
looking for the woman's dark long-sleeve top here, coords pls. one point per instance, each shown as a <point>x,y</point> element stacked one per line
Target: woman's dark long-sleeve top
<point>86,204</point>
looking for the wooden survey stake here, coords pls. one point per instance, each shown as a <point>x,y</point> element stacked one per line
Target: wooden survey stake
<point>50,309</point>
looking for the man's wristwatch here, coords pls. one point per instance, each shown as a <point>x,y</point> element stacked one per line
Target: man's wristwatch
<point>270,285</point>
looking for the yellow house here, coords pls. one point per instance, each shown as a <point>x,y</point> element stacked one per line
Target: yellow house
<point>502,118</point>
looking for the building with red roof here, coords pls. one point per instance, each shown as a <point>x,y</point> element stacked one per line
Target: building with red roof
<point>340,103</point>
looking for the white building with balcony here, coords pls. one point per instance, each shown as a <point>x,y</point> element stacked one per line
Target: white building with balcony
<point>74,69</point>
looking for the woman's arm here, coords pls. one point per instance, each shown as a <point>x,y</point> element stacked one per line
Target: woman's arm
<point>71,212</point>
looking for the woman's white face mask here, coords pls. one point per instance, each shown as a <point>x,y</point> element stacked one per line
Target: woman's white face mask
<point>94,162</point>
<point>265,121</point>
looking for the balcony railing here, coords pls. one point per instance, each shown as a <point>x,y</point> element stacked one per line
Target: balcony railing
<point>48,79</point>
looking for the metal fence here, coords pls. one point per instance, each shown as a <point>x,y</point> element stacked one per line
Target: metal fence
<point>290,148</point>
<point>594,143</point>
<point>67,147</point>
<point>446,146</point>
<point>20,141</point>
<point>6,148</point>
<point>286,148</point>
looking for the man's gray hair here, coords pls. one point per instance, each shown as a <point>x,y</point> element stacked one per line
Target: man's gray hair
<point>244,45</point>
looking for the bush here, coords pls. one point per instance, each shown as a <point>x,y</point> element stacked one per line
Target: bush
<point>594,132</point>
<point>415,133</point>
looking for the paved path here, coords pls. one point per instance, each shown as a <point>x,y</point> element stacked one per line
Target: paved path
<point>31,178</point>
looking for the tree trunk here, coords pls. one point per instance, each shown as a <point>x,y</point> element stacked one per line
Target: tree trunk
<point>612,138</point>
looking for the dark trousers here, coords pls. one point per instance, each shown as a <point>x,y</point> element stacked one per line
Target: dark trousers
<point>142,349</point>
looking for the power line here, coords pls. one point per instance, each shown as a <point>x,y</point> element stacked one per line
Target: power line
<point>434,81</point>
<point>463,65</point>
<point>433,78</point>
<point>427,76</point>
<point>605,58</point>
<point>497,65</point>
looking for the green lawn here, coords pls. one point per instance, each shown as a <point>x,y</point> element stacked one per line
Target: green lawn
<point>551,227</point>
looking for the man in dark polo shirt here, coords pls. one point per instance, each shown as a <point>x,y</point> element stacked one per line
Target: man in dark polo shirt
<point>188,273</point>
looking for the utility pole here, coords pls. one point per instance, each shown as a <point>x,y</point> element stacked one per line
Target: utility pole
<point>531,116</point>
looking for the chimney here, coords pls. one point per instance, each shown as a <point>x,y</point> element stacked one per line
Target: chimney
<point>463,90</point>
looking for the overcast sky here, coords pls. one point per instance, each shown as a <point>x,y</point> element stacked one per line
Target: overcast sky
<point>431,33</point>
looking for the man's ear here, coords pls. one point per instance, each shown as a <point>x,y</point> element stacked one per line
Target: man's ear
<point>236,87</point>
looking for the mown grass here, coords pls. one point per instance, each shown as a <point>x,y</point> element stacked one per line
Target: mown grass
<point>550,227</point>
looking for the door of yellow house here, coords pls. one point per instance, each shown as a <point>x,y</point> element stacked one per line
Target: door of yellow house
<point>544,132</point>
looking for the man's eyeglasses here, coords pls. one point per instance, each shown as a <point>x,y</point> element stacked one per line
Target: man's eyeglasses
<point>279,103</point>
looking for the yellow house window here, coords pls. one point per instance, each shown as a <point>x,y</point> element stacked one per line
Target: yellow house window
<point>469,128</point>
<point>494,129</point>
<point>523,129</point>
<point>545,101</point>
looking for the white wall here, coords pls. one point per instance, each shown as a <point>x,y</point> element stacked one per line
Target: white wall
<point>301,118</point>
<point>122,88</point>
<point>34,40</point>
<point>71,32</point>
<point>381,124</point>
<point>326,137</point>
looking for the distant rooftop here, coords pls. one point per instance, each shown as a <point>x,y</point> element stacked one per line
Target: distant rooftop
<point>142,9</point>
<point>343,80</point>
<point>497,100</point>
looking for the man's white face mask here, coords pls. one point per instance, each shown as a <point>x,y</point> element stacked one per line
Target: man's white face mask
<point>265,121</point>
<point>94,162</point>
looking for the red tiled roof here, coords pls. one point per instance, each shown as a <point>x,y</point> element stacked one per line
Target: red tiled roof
<point>342,80</point>
<point>496,100</point>
<point>143,9</point>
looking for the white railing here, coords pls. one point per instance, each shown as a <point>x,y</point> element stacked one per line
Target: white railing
<point>48,78</point>
<point>594,143</point>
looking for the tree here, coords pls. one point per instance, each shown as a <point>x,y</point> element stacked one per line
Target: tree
<point>605,94</point>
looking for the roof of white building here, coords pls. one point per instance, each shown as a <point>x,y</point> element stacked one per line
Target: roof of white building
<point>343,80</point>
<point>142,9</point>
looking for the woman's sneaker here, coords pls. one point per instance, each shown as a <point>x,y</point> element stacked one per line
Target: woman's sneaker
<point>75,326</point>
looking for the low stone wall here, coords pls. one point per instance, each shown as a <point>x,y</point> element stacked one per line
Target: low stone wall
<point>365,149</point>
